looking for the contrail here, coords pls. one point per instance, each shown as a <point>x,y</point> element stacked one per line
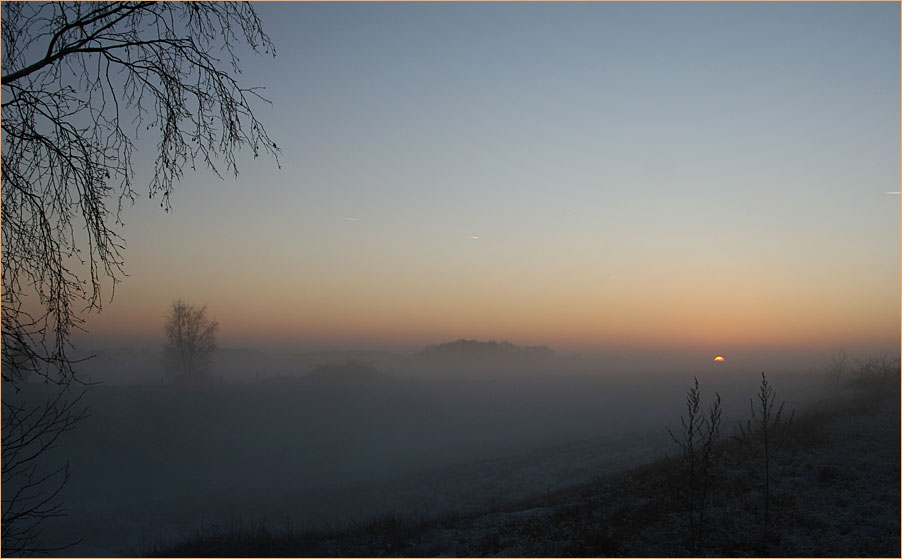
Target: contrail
<point>894,192</point>
<point>349,218</point>
<point>474,237</point>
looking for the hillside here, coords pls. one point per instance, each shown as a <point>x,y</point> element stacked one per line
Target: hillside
<point>834,492</point>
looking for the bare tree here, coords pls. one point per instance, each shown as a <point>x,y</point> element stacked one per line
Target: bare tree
<point>82,80</point>
<point>190,340</point>
<point>30,489</point>
<point>82,84</point>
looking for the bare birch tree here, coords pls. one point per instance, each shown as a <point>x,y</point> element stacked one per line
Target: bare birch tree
<point>82,84</point>
<point>190,340</point>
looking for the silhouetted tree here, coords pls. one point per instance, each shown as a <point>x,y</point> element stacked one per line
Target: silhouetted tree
<point>80,81</point>
<point>190,340</point>
<point>30,490</point>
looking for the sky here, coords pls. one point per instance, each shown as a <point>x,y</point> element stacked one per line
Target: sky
<point>709,176</point>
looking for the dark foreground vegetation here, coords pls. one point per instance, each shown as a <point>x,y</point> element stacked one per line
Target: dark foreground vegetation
<point>824,481</point>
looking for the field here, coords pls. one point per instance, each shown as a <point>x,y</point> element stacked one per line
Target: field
<point>342,458</point>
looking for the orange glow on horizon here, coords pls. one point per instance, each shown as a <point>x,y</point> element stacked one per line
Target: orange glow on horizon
<point>719,358</point>
<point>565,311</point>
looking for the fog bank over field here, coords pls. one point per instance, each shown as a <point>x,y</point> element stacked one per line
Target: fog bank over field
<point>117,363</point>
<point>324,438</point>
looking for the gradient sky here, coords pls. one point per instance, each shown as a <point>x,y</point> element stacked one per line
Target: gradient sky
<point>638,175</point>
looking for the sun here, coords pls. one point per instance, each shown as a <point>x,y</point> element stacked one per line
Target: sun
<point>719,358</point>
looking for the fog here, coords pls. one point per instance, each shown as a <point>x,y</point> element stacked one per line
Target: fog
<point>326,438</point>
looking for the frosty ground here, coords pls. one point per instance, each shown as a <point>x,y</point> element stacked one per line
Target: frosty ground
<point>835,493</point>
<point>349,460</point>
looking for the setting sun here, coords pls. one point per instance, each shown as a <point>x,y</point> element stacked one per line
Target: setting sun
<point>719,358</point>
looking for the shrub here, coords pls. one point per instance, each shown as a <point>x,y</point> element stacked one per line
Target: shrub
<point>837,370</point>
<point>767,426</point>
<point>876,377</point>
<point>696,441</point>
